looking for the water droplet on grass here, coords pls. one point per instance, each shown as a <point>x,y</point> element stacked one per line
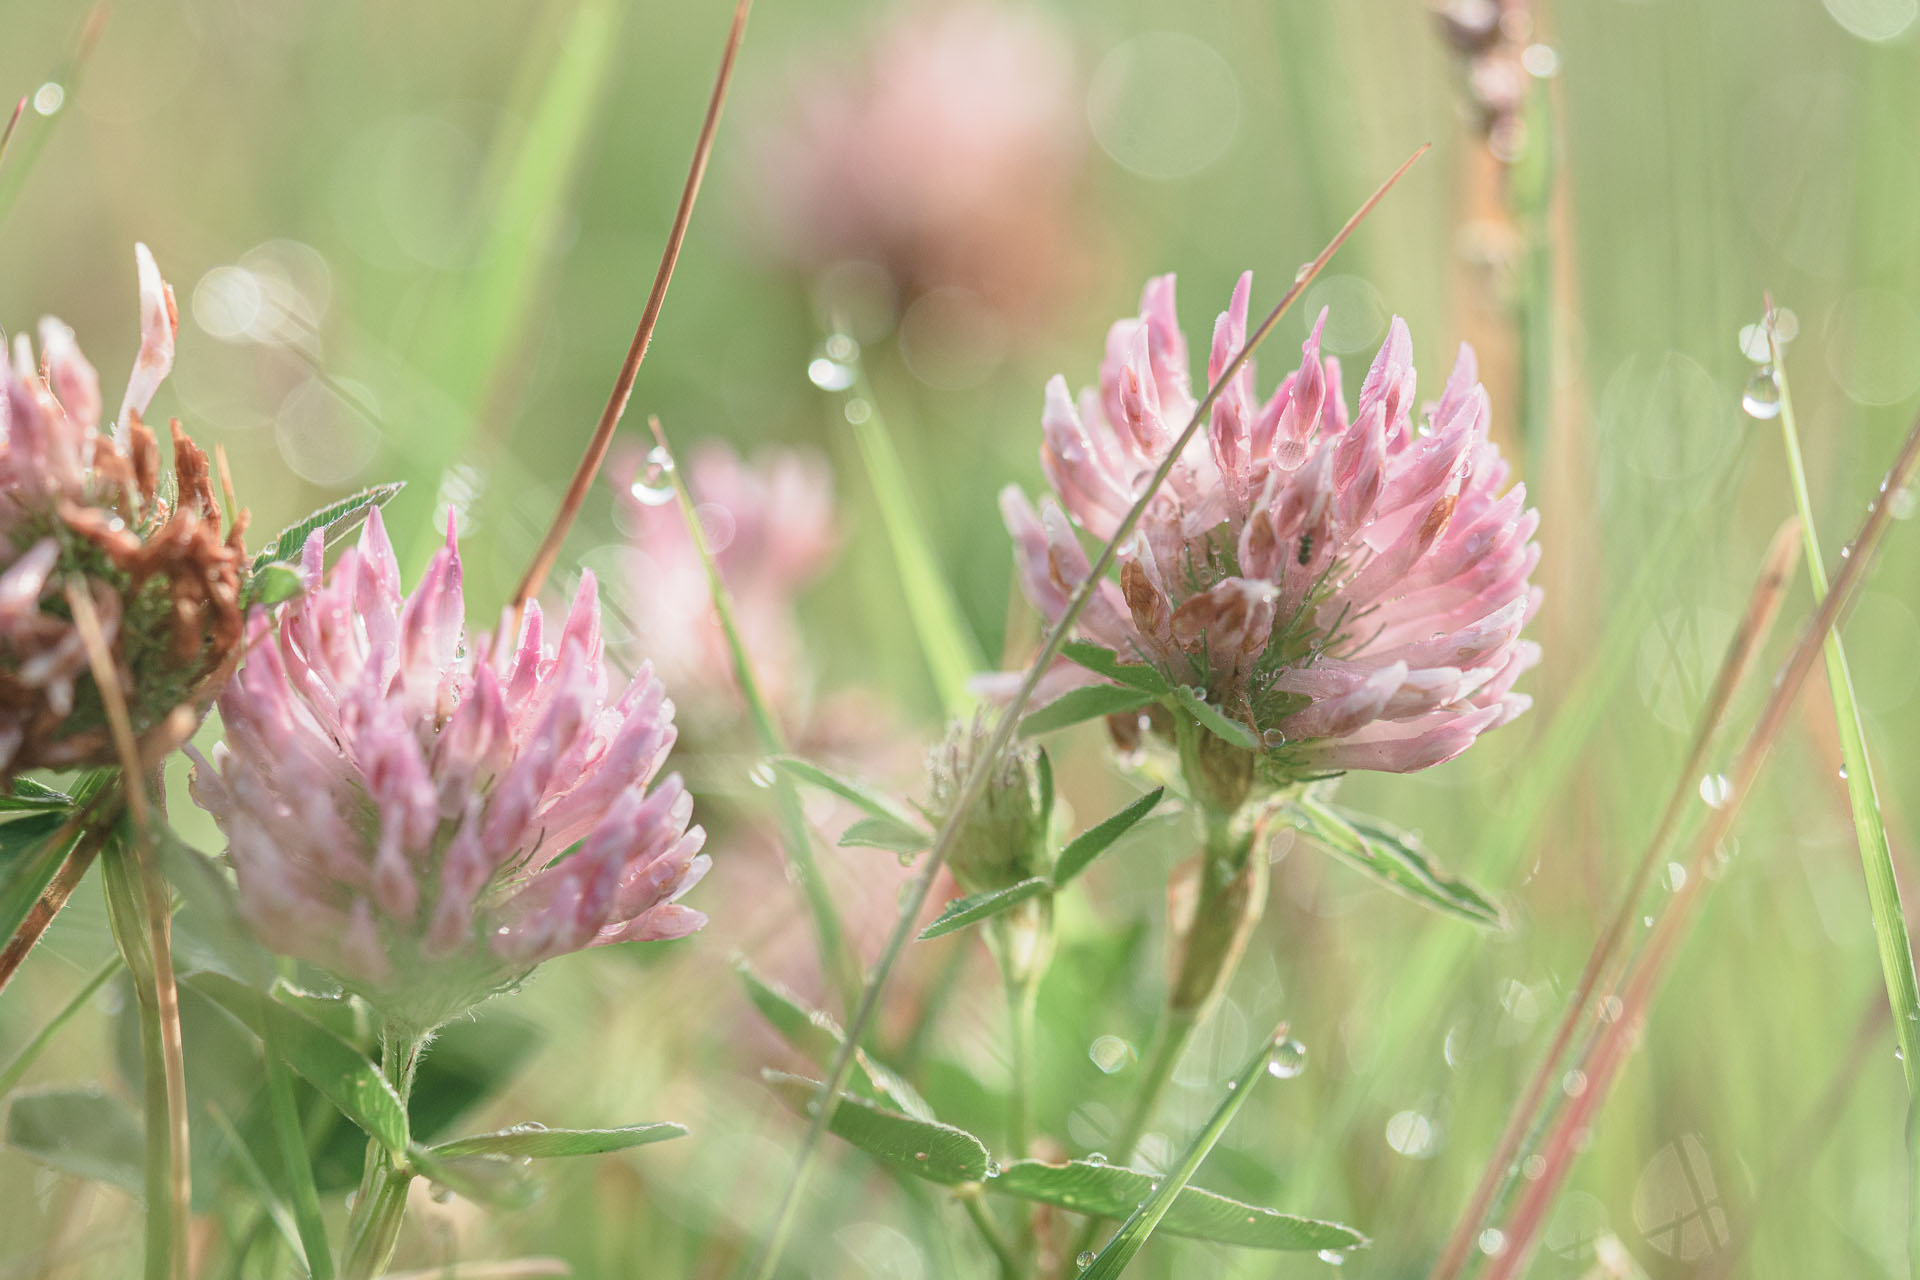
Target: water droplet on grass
<point>1288,1059</point>
<point>1762,396</point>
<point>1084,1260</point>
<point>1715,790</point>
<point>653,487</point>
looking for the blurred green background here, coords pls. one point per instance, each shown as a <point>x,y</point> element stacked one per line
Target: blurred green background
<point>464,204</point>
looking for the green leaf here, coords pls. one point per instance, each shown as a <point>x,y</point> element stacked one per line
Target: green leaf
<point>348,1079</point>
<point>28,794</point>
<point>872,801</point>
<point>1095,840</point>
<point>1394,858</point>
<point>976,907</point>
<point>536,1142</point>
<point>1135,675</point>
<point>273,583</point>
<point>814,1033</point>
<point>1109,1191</point>
<point>885,833</point>
<point>497,1181</point>
<point>30,856</point>
<point>1214,720</point>
<point>1144,1220</point>
<point>338,519</point>
<point>1089,702</point>
<point>85,1132</point>
<point>924,1148</point>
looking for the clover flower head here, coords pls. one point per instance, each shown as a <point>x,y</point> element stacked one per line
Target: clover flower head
<point>1350,588</point>
<point>82,510</point>
<point>429,820</point>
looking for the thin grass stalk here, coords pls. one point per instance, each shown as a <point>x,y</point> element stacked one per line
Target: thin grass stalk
<point>1615,1040</point>
<point>29,1053</point>
<point>157,898</point>
<point>67,77</point>
<point>1876,856</point>
<point>837,963</point>
<point>596,453</point>
<point>1602,967</point>
<point>975,1203</point>
<point>13,122</point>
<point>296,1154</point>
<point>952,657</point>
<point>983,764</point>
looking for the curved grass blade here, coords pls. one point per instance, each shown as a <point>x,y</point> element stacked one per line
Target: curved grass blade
<point>1141,1224</point>
<point>976,907</point>
<point>1111,1191</point>
<point>869,800</point>
<point>1096,840</point>
<point>276,1208</point>
<point>1394,858</point>
<point>31,1050</point>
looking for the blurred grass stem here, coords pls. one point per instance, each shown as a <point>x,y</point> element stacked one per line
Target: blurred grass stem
<point>984,762</point>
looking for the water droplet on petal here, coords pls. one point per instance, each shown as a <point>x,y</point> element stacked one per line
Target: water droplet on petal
<point>1288,1059</point>
<point>1762,396</point>
<point>653,487</point>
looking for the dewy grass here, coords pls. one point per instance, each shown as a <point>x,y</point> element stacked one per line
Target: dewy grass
<point>1876,856</point>
<point>1003,734</point>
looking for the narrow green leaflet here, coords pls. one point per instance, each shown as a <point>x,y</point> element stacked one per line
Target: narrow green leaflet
<point>924,1148</point>
<point>250,1168</point>
<point>28,794</point>
<point>338,518</point>
<point>885,833</point>
<point>1394,858</point>
<point>85,1132</point>
<point>1095,840</point>
<point>874,802</point>
<point>1214,720</point>
<point>348,1079</point>
<point>497,1181</point>
<point>1141,1224</point>
<point>815,1033</point>
<point>1109,1191</point>
<point>536,1142</point>
<point>974,908</point>
<point>1135,675</point>
<point>1089,702</point>
<point>10,1075</point>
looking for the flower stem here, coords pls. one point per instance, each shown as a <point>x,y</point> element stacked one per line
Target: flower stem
<point>975,1205</point>
<point>1023,998</point>
<point>381,1202</point>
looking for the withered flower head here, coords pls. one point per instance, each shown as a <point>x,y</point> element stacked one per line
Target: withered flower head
<point>87,511</point>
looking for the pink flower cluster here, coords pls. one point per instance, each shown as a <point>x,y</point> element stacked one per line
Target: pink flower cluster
<point>1351,588</point>
<point>429,820</point>
<point>945,152</point>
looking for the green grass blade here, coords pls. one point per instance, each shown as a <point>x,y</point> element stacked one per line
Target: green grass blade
<point>25,1058</point>
<point>291,1136</point>
<point>953,658</point>
<point>277,1209</point>
<point>837,962</point>
<point>533,1142</point>
<point>1140,1225</point>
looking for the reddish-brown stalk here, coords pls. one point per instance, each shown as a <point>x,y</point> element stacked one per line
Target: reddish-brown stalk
<point>1612,1045</point>
<point>13,123</point>
<point>596,453</point>
<point>1763,607</point>
<point>97,822</point>
<point>159,904</point>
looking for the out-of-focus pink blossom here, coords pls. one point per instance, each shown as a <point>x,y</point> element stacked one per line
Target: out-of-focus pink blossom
<point>1351,588</point>
<point>429,820</point>
<point>79,507</point>
<point>946,150</point>
<point>770,525</point>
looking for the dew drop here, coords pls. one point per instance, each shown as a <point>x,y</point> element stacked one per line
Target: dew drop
<point>1493,1242</point>
<point>1085,1259</point>
<point>1111,1054</point>
<point>1096,1158</point>
<point>1715,790</point>
<point>1288,1059</point>
<point>1333,1257</point>
<point>1901,504</point>
<point>653,487</point>
<point>1574,1083</point>
<point>993,1168</point>
<point>829,374</point>
<point>1611,1008</point>
<point>1273,739</point>
<point>1843,773</point>
<point>1762,397</point>
<point>49,97</point>
<point>761,775</point>
<point>919,1155</point>
<point>1535,1168</point>
<point>1676,877</point>
<point>858,410</point>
